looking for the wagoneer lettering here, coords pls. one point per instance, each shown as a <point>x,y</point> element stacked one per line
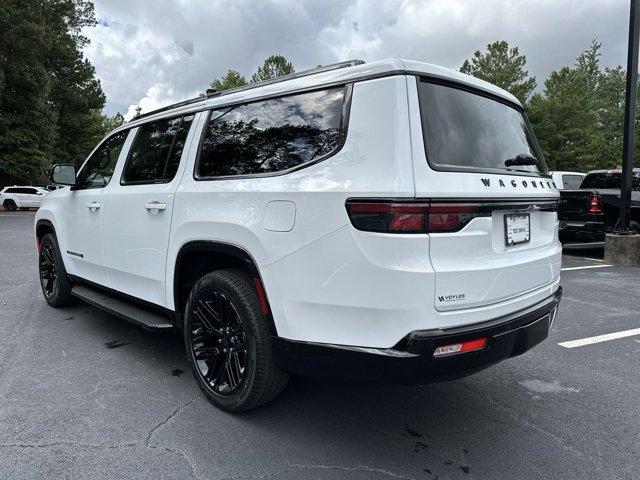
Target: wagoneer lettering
<point>348,221</point>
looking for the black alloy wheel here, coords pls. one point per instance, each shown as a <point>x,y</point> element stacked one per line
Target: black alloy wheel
<point>218,341</point>
<point>55,283</point>
<point>228,342</point>
<point>48,273</point>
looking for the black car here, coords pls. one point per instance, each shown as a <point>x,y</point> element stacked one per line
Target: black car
<point>593,210</point>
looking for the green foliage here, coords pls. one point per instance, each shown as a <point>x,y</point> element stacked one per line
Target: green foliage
<point>50,100</point>
<point>274,66</point>
<point>232,79</point>
<point>579,117</point>
<point>502,66</point>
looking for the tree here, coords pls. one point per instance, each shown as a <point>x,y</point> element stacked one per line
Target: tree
<point>232,79</point>
<point>562,121</point>
<point>579,116</point>
<point>504,67</point>
<point>274,66</point>
<point>50,100</point>
<point>27,119</point>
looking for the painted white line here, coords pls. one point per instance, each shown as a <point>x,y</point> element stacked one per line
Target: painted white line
<point>600,338</point>
<point>585,267</point>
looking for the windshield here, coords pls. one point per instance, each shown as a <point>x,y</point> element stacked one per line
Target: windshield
<point>467,131</point>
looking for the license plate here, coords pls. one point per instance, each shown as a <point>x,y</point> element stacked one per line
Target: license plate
<point>517,227</point>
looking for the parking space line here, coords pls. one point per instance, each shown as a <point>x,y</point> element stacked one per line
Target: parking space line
<point>600,338</point>
<point>585,267</point>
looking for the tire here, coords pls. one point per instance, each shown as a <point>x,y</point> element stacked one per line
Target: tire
<point>228,344</point>
<point>56,290</point>
<point>10,205</point>
<point>24,209</point>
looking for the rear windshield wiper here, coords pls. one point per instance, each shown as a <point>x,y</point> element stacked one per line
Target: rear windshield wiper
<point>521,159</point>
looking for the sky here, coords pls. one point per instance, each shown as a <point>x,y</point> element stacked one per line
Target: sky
<point>155,52</point>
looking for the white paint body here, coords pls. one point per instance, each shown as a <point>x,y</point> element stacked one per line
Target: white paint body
<point>325,281</point>
<point>558,178</point>
<point>24,197</point>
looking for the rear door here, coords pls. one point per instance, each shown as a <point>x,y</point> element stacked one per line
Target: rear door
<point>138,220</point>
<point>33,198</point>
<point>492,219</point>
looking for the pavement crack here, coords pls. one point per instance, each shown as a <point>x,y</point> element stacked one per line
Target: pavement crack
<point>302,468</point>
<point>169,418</point>
<point>180,453</point>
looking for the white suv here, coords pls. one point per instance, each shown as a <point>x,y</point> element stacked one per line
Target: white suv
<point>392,221</point>
<point>24,198</point>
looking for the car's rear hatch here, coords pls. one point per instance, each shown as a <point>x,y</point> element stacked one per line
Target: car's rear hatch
<point>492,227</point>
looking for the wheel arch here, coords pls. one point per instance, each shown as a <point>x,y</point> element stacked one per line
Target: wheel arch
<point>43,227</point>
<point>197,257</point>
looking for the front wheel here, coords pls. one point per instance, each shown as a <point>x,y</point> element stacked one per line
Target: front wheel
<point>228,344</point>
<point>54,281</point>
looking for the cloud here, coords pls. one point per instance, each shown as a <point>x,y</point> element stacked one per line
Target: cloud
<point>150,53</point>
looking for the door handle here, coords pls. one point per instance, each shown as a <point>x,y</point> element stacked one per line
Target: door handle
<point>155,206</point>
<point>93,205</point>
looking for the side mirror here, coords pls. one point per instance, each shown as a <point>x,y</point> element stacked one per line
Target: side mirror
<point>63,174</point>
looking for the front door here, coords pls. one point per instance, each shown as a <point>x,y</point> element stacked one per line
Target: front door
<point>140,208</point>
<point>83,213</point>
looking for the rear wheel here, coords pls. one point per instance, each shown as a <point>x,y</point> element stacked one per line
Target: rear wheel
<point>54,281</point>
<point>10,205</point>
<point>228,344</point>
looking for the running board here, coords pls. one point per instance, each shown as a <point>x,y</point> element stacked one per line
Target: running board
<point>127,311</point>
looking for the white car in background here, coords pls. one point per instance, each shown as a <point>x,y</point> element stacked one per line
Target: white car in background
<point>568,180</point>
<point>24,198</point>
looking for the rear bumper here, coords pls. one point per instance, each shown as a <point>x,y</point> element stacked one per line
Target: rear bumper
<point>411,361</point>
<point>582,231</point>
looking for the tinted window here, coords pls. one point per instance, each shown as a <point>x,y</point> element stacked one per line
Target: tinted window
<point>97,171</point>
<point>465,130</point>
<point>156,150</point>
<point>571,182</point>
<point>11,190</point>
<point>271,135</point>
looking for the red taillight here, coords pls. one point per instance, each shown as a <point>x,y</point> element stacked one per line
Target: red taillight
<point>450,217</point>
<point>410,217</point>
<point>595,203</point>
<point>462,347</point>
<point>388,217</point>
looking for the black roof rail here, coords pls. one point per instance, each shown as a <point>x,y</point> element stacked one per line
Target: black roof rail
<point>249,86</point>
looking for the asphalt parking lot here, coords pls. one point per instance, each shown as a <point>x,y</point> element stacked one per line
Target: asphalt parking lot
<point>85,395</point>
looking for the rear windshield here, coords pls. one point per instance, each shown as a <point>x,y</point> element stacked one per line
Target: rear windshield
<point>571,182</point>
<point>606,180</point>
<point>470,132</point>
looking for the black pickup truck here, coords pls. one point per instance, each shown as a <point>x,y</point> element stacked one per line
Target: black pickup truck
<point>588,213</point>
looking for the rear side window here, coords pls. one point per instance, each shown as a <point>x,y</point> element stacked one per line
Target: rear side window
<point>98,170</point>
<point>272,135</point>
<point>466,131</point>
<point>571,182</point>
<point>156,151</point>
<point>11,190</point>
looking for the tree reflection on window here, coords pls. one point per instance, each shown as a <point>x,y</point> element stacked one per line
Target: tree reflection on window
<point>272,135</point>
